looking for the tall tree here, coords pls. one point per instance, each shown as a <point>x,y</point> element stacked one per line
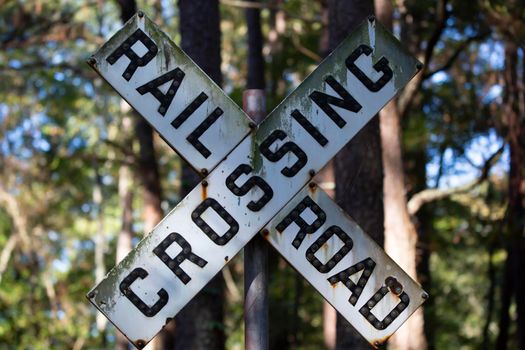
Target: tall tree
<point>147,169</point>
<point>400,232</point>
<point>199,325</point>
<point>100,241</point>
<point>125,193</point>
<point>358,170</point>
<point>326,180</point>
<point>508,20</point>
<point>514,123</point>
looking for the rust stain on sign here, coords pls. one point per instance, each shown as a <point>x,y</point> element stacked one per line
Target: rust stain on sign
<point>378,343</point>
<point>140,343</point>
<point>265,233</point>
<point>312,187</point>
<point>204,189</point>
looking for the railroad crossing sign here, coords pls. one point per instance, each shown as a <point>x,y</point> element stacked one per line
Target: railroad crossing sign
<point>257,178</point>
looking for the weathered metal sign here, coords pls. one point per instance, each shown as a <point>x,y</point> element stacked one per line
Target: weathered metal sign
<point>251,185</point>
<point>191,113</point>
<point>344,264</point>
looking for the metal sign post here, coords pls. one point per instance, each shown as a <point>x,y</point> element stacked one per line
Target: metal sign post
<point>255,257</point>
<point>252,173</point>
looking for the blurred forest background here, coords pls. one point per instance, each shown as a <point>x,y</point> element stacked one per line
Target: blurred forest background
<point>439,178</point>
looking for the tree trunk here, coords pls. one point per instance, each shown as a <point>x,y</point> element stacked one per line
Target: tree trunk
<point>199,325</point>
<point>519,227</point>
<point>490,298</point>
<point>506,296</point>
<point>423,222</point>
<point>358,170</point>
<point>329,326</point>
<point>100,243</point>
<point>275,33</point>
<point>400,232</point>
<point>326,180</point>
<point>517,183</point>
<point>124,240</point>
<point>148,171</point>
<point>514,284</point>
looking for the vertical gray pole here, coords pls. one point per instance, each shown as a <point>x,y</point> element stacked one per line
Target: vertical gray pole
<point>255,256</point>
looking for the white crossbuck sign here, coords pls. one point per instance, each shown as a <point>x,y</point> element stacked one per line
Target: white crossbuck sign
<point>258,180</point>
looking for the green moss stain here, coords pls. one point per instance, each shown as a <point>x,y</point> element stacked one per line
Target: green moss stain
<point>255,154</point>
<point>109,289</point>
<point>403,64</point>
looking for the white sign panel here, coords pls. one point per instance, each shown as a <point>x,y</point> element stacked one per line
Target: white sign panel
<point>253,183</point>
<point>191,113</point>
<point>344,264</point>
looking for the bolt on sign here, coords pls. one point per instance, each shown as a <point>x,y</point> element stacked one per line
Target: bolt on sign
<point>257,177</point>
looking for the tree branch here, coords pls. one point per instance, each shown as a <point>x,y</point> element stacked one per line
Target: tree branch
<point>20,233</point>
<point>452,59</point>
<point>230,284</point>
<point>509,23</point>
<point>270,6</point>
<point>5,256</point>
<point>433,194</point>
<point>250,4</point>
<point>38,65</point>
<point>407,97</point>
<point>13,209</point>
<point>124,150</point>
<point>45,28</point>
<point>304,50</point>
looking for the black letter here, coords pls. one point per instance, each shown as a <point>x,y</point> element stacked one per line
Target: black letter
<point>145,309</point>
<point>368,265</point>
<point>212,203</point>
<point>347,246</point>
<point>248,185</point>
<point>380,66</point>
<point>312,130</point>
<point>404,300</point>
<point>136,61</point>
<point>282,151</point>
<point>196,103</point>
<point>193,138</point>
<point>304,228</point>
<point>153,88</point>
<point>325,101</point>
<point>185,254</point>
